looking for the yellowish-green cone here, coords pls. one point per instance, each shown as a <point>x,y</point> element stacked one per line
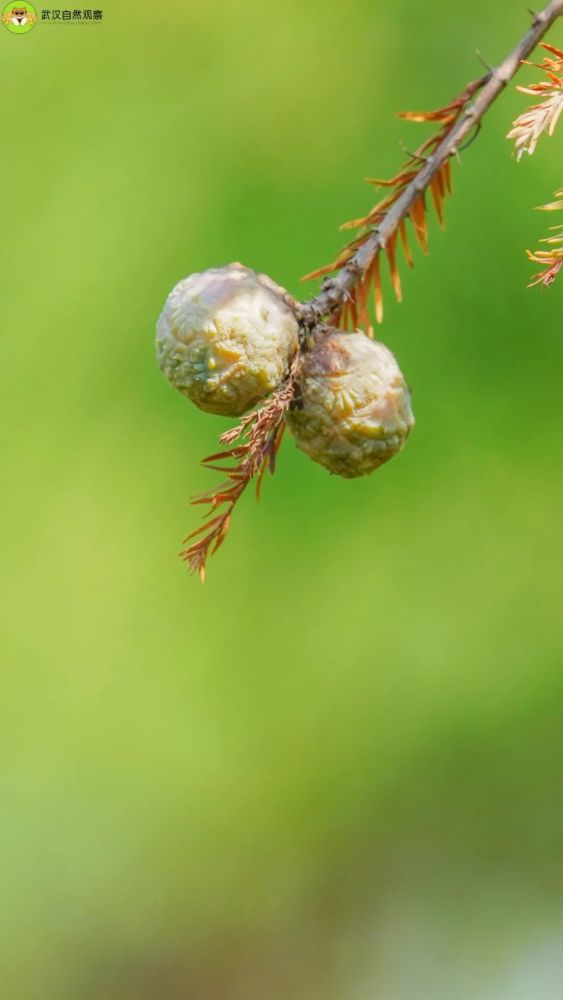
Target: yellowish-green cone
<point>225,338</point>
<point>352,410</point>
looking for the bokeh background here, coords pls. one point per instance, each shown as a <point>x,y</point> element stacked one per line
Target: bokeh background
<point>335,771</point>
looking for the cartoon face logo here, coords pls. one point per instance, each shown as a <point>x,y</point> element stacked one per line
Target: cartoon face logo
<point>19,17</point>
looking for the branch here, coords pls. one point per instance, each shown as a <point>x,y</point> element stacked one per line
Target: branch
<point>336,289</point>
<point>343,294</point>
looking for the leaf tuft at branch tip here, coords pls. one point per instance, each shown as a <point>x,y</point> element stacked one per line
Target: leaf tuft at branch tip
<point>552,259</point>
<point>540,118</point>
<point>261,433</point>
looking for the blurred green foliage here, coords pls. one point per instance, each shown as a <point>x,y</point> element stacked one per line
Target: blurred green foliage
<point>335,770</point>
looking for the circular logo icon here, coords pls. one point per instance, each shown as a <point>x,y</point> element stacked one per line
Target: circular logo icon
<point>19,17</point>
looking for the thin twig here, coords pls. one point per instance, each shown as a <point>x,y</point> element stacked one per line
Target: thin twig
<point>335,289</point>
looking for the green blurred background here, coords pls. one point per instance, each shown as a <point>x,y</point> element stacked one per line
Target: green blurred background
<point>335,771</point>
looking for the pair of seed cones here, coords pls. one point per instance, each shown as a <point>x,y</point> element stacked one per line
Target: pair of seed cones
<point>227,339</point>
<point>230,340</point>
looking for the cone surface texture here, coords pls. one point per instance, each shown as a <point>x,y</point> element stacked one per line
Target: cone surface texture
<point>352,410</point>
<point>225,338</point>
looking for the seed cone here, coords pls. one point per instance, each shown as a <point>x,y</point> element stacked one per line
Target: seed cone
<point>225,338</point>
<point>352,410</point>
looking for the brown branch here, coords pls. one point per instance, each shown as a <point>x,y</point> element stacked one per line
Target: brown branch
<point>335,290</point>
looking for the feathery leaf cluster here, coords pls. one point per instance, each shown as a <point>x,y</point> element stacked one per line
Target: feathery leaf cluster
<point>355,309</point>
<point>526,130</point>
